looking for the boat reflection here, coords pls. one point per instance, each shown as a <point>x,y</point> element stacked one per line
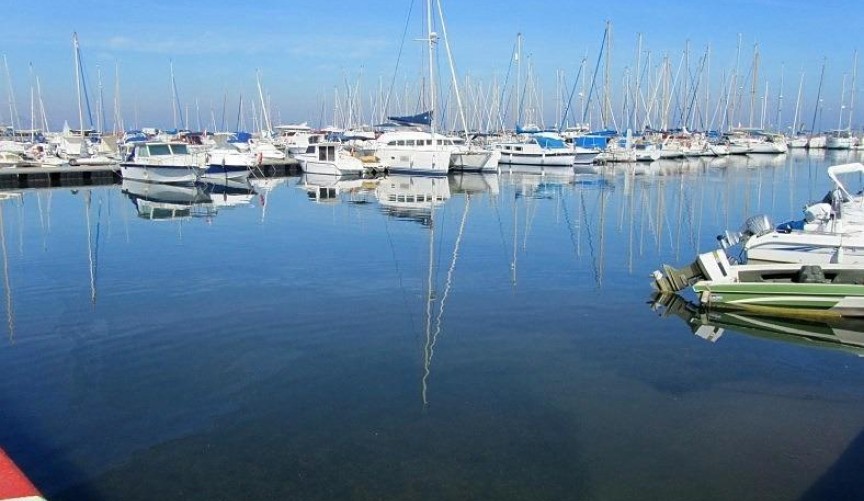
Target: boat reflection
<point>844,334</point>
<point>412,197</point>
<point>229,192</point>
<point>474,182</point>
<point>157,201</point>
<point>324,188</point>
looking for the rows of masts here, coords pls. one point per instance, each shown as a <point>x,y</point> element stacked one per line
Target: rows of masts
<point>675,92</point>
<point>672,93</point>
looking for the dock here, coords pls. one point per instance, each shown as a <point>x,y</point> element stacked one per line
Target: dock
<point>97,175</point>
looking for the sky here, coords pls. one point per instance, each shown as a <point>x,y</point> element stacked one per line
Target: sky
<point>306,53</point>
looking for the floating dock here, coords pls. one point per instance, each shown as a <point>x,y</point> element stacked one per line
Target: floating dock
<point>95,175</point>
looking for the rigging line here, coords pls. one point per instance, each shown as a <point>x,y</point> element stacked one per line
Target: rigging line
<point>398,58</point>
<point>594,267</point>
<point>95,271</point>
<point>448,284</point>
<point>399,276</point>
<point>430,298</point>
<point>10,314</point>
<point>501,231</point>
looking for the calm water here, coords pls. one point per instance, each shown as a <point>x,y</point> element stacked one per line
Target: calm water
<point>277,346</point>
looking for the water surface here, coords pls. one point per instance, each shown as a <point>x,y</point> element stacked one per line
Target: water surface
<point>494,342</point>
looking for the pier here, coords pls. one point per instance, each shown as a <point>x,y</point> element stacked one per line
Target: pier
<point>90,175</point>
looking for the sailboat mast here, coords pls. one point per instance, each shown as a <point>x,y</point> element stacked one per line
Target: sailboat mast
<point>452,70</point>
<point>431,47</point>
<point>78,81</point>
<point>795,127</point>
<point>852,97</point>
<point>818,98</point>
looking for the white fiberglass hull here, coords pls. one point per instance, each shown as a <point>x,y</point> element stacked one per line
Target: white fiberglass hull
<point>160,173</point>
<point>806,248</point>
<point>551,159</point>
<point>414,161</point>
<point>475,160</point>
<point>341,167</point>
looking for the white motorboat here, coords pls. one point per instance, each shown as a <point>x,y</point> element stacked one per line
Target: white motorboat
<point>832,230</point>
<point>228,162</point>
<point>542,149</point>
<point>329,158</point>
<point>161,162</point>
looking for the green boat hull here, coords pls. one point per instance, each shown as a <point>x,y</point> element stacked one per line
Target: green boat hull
<point>809,299</point>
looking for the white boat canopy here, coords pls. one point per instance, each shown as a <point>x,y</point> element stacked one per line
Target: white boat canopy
<point>836,170</point>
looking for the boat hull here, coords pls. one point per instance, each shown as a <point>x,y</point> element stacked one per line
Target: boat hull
<point>475,161</point>
<point>415,161</point>
<point>539,159</point>
<point>220,171</point>
<point>160,173</point>
<point>806,299</point>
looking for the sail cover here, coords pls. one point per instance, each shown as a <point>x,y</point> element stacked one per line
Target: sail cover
<point>424,118</point>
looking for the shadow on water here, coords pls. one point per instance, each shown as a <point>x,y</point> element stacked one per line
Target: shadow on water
<point>843,480</point>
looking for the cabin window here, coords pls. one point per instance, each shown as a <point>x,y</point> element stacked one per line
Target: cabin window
<point>310,149</point>
<point>314,139</point>
<point>400,142</point>
<point>179,149</point>
<point>391,143</point>
<point>327,153</point>
<point>141,151</point>
<point>159,149</point>
<point>518,148</point>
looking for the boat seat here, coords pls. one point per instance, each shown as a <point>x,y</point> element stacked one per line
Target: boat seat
<point>849,277</point>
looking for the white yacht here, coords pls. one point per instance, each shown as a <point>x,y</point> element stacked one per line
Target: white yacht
<point>413,152</point>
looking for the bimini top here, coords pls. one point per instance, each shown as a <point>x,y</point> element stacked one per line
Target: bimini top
<point>549,142</point>
<point>836,170</point>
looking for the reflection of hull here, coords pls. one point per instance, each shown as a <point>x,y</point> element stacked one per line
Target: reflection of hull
<point>163,201</point>
<point>412,197</point>
<point>843,334</point>
<point>474,182</point>
<point>326,188</point>
<point>229,192</point>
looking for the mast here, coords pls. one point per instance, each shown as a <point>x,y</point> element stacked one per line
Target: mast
<point>753,82</point>
<point>78,82</point>
<point>265,122</point>
<point>13,112</point>
<point>795,127</point>
<point>852,97</point>
<point>432,39</point>
<point>452,71</point>
<point>842,102</point>
<point>818,98</point>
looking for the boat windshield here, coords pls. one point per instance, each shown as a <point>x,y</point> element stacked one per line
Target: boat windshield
<point>158,149</point>
<point>179,149</point>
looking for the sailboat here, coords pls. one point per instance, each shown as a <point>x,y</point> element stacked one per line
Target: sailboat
<point>412,150</point>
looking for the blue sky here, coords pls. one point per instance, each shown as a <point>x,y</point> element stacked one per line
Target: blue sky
<point>306,49</point>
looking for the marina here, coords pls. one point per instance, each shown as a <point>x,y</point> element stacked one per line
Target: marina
<point>431,250</point>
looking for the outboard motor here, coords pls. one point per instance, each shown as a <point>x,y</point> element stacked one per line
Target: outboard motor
<point>757,225</point>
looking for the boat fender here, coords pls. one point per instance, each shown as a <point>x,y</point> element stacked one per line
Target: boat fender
<point>260,158</point>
